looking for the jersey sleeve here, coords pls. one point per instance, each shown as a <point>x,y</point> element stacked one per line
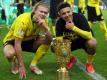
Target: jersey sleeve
<point>83,28</point>
<point>20,30</point>
<point>83,23</point>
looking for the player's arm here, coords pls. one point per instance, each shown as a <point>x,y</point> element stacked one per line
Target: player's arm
<point>19,34</point>
<point>18,49</point>
<point>82,33</point>
<point>42,23</point>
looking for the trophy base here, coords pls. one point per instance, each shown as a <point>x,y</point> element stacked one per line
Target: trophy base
<point>62,74</point>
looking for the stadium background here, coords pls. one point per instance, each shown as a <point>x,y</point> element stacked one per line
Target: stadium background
<point>48,63</point>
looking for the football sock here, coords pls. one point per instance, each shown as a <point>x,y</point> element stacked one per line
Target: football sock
<point>104,28</point>
<point>13,59</point>
<point>90,58</point>
<point>90,24</point>
<point>39,54</point>
<point>54,30</point>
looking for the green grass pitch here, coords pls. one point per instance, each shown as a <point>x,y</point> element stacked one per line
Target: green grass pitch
<point>48,63</point>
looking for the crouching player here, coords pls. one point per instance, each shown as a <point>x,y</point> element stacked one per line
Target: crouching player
<point>29,32</point>
<point>74,27</point>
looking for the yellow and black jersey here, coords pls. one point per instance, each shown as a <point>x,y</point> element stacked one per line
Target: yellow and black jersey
<point>94,11</point>
<point>82,4</point>
<point>93,3</point>
<point>79,3</point>
<point>22,28</point>
<point>94,14</point>
<point>71,2</point>
<point>80,31</point>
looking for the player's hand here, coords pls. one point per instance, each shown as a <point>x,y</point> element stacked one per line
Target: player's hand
<point>22,72</point>
<point>42,23</point>
<point>49,34</point>
<point>48,37</point>
<point>69,25</point>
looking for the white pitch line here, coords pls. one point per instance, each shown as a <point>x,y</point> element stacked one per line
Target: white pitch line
<point>95,75</point>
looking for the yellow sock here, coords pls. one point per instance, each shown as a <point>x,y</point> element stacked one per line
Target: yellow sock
<point>90,58</point>
<point>54,32</point>
<point>90,24</point>
<point>13,59</point>
<point>104,28</point>
<point>39,54</point>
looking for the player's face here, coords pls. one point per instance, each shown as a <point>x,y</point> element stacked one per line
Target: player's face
<point>66,14</point>
<point>41,12</point>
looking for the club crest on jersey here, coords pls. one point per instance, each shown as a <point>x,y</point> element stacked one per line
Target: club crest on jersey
<point>20,32</point>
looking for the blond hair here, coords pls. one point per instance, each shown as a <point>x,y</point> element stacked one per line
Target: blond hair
<point>40,3</point>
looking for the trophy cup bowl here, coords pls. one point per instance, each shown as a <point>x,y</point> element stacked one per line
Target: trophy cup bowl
<point>62,51</point>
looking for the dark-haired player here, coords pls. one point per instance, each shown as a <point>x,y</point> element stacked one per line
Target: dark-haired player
<point>74,26</point>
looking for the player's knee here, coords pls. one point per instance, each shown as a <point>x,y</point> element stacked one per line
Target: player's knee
<point>9,54</point>
<point>91,51</point>
<point>48,39</point>
<point>91,46</point>
<point>91,43</point>
<point>41,40</point>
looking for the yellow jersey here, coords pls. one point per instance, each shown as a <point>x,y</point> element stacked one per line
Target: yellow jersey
<point>22,28</point>
<point>71,2</point>
<point>82,3</point>
<point>93,3</point>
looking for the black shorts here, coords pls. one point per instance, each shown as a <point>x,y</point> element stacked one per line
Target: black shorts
<point>26,45</point>
<point>92,15</point>
<point>79,44</point>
